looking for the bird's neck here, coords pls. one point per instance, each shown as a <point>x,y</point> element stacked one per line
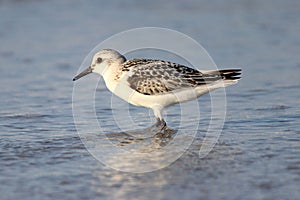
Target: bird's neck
<point>112,73</point>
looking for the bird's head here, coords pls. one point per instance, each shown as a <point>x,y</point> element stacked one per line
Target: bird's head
<point>101,61</point>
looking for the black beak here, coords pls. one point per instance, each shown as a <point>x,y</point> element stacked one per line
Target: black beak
<point>83,73</point>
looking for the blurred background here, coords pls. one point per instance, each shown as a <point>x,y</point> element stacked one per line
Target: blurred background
<point>43,43</point>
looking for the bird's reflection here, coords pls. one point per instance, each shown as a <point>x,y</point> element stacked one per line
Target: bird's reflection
<point>154,134</point>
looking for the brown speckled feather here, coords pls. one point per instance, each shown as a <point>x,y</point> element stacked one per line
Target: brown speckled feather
<point>154,77</point>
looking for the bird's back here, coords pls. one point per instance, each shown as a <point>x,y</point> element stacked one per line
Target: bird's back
<point>155,77</point>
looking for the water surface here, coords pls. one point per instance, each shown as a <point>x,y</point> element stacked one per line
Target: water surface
<point>44,42</point>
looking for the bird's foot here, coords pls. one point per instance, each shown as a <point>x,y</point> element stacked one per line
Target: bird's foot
<point>160,124</point>
<point>156,128</point>
<point>163,133</point>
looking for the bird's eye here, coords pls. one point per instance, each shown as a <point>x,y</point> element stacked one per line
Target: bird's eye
<point>99,60</point>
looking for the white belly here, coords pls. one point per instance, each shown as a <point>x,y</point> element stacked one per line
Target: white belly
<point>126,93</point>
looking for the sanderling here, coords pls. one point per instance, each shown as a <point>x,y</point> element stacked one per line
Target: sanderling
<point>156,84</point>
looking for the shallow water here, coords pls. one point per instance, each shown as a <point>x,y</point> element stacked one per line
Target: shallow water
<point>44,42</point>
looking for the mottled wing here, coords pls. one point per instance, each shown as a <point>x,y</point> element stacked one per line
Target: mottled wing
<point>153,77</point>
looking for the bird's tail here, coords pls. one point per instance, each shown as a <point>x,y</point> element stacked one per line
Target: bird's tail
<point>230,74</point>
<point>219,78</point>
<point>226,76</point>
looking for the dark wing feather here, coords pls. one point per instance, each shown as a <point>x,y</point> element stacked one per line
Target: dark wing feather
<point>153,77</point>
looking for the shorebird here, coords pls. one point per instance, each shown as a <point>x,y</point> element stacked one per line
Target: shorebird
<point>156,84</point>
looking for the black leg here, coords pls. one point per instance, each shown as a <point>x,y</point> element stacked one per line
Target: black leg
<point>160,123</point>
<point>159,127</point>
